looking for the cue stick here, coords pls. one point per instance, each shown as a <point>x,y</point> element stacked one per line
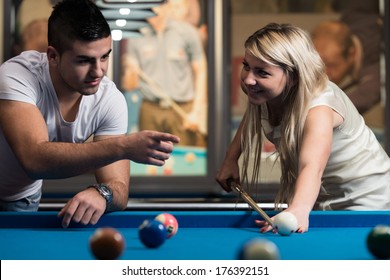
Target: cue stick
<point>236,187</point>
<point>161,94</point>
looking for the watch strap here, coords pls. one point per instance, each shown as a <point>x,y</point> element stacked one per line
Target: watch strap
<point>104,190</point>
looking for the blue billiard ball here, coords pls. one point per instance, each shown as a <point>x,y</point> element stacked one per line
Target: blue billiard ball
<point>152,233</point>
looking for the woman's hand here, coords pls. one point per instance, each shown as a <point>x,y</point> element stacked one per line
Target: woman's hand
<point>301,215</point>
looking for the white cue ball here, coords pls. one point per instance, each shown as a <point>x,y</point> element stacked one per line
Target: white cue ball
<point>286,223</point>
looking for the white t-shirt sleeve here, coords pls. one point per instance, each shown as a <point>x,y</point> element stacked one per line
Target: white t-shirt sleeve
<point>18,83</point>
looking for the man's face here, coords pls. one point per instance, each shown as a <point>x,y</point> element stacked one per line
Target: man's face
<point>337,65</point>
<point>83,67</point>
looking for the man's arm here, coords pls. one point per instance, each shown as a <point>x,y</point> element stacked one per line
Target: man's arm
<point>88,205</point>
<point>199,69</point>
<point>197,118</point>
<point>130,77</point>
<point>27,135</point>
<point>367,91</point>
<point>117,176</point>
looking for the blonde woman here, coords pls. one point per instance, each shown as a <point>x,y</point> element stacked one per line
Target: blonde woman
<point>330,160</point>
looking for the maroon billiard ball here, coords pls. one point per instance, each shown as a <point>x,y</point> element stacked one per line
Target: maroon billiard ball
<point>107,244</point>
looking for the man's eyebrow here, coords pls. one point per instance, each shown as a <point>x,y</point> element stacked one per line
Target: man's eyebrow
<point>90,58</point>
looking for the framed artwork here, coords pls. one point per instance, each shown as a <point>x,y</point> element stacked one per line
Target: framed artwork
<point>163,75</point>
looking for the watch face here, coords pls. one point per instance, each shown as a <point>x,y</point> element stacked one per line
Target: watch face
<point>105,191</point>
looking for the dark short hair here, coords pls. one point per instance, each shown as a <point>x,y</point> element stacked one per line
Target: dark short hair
<point>73,20</point>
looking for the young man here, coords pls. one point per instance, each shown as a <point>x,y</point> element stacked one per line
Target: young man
<point>343,55</point>
<point>52,102</point>
<point>170,57</point>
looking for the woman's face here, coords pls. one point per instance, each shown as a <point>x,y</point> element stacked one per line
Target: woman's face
<point>261,82</point>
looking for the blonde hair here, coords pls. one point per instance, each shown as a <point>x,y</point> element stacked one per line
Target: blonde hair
<point>292,50</point>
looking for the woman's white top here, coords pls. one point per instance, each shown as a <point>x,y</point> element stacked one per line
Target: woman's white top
<point>357,175</point>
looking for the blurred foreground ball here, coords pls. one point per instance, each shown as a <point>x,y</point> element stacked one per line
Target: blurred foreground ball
<point>378,242</point>
<point>107,244</point>
<point>259,249</point>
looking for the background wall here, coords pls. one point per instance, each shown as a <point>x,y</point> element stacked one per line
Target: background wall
<point>1,28</point>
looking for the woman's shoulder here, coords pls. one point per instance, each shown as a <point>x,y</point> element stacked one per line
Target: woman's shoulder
<point>332,93</point>
<point>333,97</point>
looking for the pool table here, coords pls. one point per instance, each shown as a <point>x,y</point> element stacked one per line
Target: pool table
<point>202,235</point>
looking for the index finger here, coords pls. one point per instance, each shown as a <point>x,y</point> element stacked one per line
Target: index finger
<point>66,213</point>
<point>166,137</point>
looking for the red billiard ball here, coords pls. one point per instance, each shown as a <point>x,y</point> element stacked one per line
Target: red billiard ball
<point>258,249</point>
<point>378,242</point>
<point>152,233</point>
<point>170,223</point>
<point>107,244</point>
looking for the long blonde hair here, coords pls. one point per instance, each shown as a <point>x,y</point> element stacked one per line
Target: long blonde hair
<point>292,50</point>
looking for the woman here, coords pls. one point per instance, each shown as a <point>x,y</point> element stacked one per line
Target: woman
<point>330,160</point>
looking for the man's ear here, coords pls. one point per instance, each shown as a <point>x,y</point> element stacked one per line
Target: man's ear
<point>52,55</point>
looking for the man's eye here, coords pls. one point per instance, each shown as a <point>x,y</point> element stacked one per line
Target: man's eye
<point>84,61</point>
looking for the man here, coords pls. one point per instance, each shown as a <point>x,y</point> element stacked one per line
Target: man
<point>52,103</point>
<point>343,55</point>
<point>168,64</point>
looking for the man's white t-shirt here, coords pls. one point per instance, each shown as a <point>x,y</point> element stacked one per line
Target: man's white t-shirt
<point>26,78</point>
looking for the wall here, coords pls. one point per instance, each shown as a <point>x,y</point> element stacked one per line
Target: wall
<point>1,28</point>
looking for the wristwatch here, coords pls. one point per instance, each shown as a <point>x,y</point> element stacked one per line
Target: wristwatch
<point>105,191</point>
